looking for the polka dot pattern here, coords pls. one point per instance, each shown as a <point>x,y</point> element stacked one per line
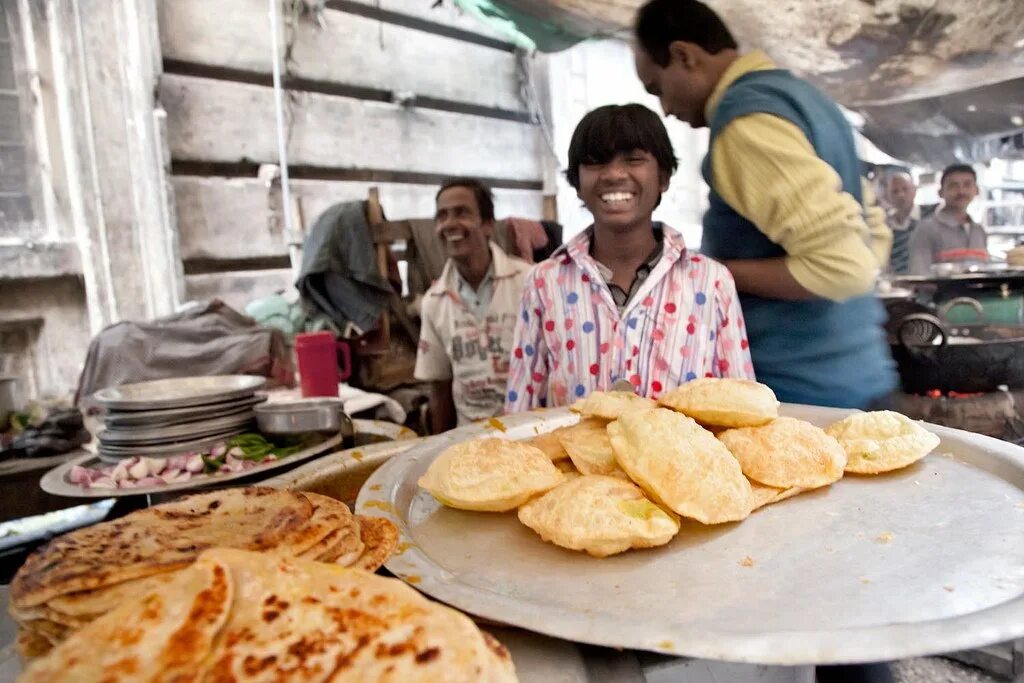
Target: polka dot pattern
<point>685,325</point>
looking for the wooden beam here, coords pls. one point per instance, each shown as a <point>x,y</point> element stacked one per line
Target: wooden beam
<point>352,50</point>
<point>221,121</point>
<point>239,218</point>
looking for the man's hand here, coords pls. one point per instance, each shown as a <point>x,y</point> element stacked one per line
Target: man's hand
<point>442,407</point>
<point>767,278</point>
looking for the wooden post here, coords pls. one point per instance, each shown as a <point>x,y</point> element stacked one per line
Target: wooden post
<point>550,210</point>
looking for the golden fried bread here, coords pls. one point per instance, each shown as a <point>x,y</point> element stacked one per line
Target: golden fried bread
<point>609,405</point>
<point>599,515</point>
<point>590,449</point>
<point>489,475</point>
<point>881,441</point>
<point>786,453</point>
<point>681,465</point>
<point>551,444</point>
<point>762,495</point>
<point>724,402</point>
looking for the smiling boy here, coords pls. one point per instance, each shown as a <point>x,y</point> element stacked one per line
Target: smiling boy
<point>624,299</point>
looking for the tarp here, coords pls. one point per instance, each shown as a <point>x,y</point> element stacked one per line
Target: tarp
<point>897,62</point>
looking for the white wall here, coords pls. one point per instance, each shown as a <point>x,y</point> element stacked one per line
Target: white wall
<point>596,73</point>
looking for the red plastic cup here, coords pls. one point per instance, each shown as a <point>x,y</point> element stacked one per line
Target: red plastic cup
<point>317,353</point>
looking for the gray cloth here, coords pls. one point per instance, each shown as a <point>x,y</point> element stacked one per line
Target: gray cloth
<point>210,339</point>
<point>939,237</point>
<point>339,275</point>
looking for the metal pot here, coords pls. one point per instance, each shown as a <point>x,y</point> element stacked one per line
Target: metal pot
<point>965,359</point>
<point>297,417</point>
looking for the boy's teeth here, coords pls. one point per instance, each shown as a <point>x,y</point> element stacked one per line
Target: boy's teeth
<point>616,196</point>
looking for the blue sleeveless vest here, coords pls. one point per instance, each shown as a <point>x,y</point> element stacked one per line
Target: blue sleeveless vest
<point>816,351</point>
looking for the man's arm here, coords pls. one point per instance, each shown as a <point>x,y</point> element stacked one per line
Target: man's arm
<point>766,169</point>
<point>442,407</point>
<point>769,278</point>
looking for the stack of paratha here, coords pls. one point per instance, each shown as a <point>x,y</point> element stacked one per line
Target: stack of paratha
<point>83,575</point>
<point>234,615</point>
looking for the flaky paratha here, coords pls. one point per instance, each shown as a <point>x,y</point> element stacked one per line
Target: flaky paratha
<point>290,621</point>
<point>342,538</point>
<point>882,441</point>
<point>489,475</point>
<point>786,452</point>
<point>93,603</point>
<point>159,539</point>
<point>380,538</point>
<point>599,515</point>
<point>610,405</point>
<point>166,635</point>
<point>723,402</point>
<point>590,449</point>
<point>681,465</point>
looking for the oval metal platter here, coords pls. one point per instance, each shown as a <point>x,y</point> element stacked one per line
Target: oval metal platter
<point>56,480</point>
<point>924,560</point>
<point>178,392</point>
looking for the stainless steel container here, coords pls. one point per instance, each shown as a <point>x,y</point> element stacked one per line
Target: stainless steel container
<point>296,417</point>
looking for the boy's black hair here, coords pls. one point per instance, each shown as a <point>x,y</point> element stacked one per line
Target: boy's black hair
<point>957,168</point>
<point>484,197</point>
<point>660,23</point>
<point>619,128</point>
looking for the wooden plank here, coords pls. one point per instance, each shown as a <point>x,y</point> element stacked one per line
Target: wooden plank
<point>221,121</point>
<point>236,218</point>
<point>238,288</point>
<point>40,260</point>
<point>351,50</point>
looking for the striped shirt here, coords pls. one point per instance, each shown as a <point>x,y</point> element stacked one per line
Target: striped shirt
<point>683,322</point>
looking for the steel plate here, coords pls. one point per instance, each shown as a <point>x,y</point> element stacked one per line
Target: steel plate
<point>928,559</point>
<point>144,419</point>
<point>156,435</point>
<point>178,392</point>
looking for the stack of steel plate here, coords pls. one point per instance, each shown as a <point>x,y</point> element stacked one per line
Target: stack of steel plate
<point>166,417</point>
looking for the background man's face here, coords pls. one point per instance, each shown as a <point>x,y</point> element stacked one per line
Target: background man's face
<point>902,192</point>
<point>682,92</point>
<point>959,190</point>
<point>458,223</point>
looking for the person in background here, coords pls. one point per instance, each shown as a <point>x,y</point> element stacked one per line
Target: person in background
<point>950,235</point>
<point>790,216</point>
<point>469,313</point>
<point>625,299</point>
<point>903,217</point>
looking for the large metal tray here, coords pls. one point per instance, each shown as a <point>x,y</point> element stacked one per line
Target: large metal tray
<point>929,559</point>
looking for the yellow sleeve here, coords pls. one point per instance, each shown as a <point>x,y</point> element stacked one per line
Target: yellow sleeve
<point>765,168</point>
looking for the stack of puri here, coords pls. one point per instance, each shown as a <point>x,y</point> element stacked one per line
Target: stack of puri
<point>713,450</point>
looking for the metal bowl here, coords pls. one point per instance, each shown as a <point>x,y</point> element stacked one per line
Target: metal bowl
<point>297,417</point>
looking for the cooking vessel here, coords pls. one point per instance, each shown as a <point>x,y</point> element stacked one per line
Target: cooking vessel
<point>964,358</point>
<point>298,417</point>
